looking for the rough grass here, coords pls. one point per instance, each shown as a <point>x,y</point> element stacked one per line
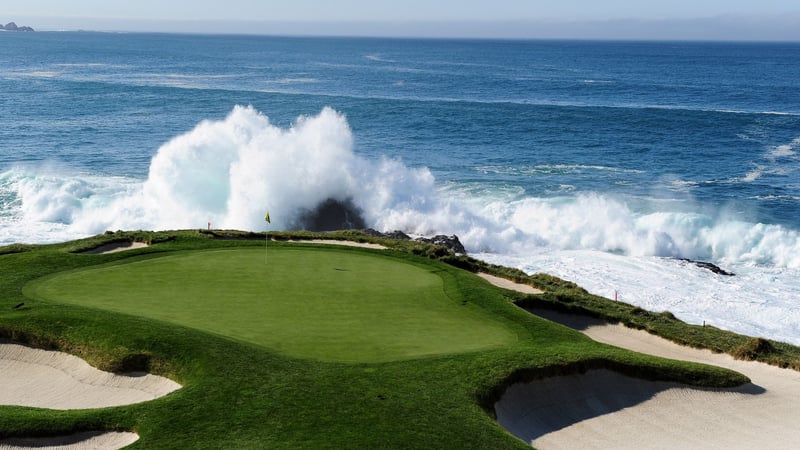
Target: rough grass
<point>239,394</point>
<point>665,324</point>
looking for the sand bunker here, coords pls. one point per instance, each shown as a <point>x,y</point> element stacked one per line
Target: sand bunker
<point>115,247</point>
<point>79,441</point>
<point>345,243</point>
<point>603,409</point>
<point>123,246</point>
<point>56,380</point>
<point>508,284</point>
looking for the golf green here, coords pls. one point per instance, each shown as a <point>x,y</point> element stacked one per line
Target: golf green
<point>328,304</point>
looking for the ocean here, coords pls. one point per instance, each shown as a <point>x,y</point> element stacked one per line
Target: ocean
<point>604,163</point>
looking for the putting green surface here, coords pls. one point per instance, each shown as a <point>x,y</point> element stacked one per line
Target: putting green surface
<point>316,303</point>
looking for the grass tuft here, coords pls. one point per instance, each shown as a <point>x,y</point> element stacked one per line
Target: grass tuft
<point>754,349</point>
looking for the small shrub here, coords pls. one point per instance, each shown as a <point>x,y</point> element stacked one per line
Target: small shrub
<point>138,362</point>
<point>15,248</point>
<point>753,349</point>
<point>668,315</point>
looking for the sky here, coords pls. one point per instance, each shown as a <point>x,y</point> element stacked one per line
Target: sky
<point>581,19</point>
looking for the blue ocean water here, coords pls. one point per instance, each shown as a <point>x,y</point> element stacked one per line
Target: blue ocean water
<point>600,162</point>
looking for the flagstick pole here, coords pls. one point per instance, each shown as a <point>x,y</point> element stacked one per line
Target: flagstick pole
<point>266,237</point>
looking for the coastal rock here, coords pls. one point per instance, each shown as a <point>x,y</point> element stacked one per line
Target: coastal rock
<point>330,215</point>
<point>450,242</point>
<point>396,234</point>
<point>399,235</point>
<point>710,266</point>
<point>11,26</point>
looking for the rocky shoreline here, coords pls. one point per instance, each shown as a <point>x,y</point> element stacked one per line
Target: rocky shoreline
<point>449,242</point>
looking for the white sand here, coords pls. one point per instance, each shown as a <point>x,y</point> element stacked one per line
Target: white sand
<point>123,246</point>
<point>79,441</point>
<point>56,380</point>
<point>345,243</point>
<point>115,247</point>
<point>602,409</point>
<point>508,284</point>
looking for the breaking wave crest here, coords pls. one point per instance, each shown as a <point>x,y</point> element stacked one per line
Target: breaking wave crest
<point>229,172</point>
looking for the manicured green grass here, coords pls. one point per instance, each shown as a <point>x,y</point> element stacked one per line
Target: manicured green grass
<point>320,303</point>
<point>240,392</point>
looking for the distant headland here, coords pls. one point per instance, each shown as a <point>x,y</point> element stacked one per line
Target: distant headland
<point>11,26</point>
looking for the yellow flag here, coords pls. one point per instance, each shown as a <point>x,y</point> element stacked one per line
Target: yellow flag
<point>267,217</point>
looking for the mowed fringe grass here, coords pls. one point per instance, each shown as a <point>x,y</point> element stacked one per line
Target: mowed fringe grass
<point>270,392</point>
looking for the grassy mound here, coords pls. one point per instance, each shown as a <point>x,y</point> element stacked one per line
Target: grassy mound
<point>320,303</point>
<point>290,387</point>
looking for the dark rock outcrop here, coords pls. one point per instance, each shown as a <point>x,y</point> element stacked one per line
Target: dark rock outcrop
<point>449,242</point>
<point>396,234</point>
<point>710,266</point>
<point>331,215</point>
<point>11,26</point>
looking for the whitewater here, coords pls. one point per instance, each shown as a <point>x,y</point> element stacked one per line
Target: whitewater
<point>610,188</point>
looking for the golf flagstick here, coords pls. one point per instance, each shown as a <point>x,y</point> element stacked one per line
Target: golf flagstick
<point>266,238</point>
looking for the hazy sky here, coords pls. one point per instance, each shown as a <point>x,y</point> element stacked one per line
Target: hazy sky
<point>688,19</point>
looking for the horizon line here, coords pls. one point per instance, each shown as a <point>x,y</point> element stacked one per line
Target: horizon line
<point>428,38</point>
<point>720,28</point>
